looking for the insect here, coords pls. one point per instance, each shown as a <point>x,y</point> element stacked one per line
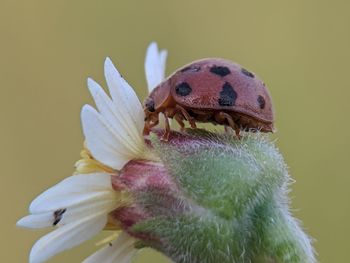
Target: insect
<point>211,90</point>
<point>58,216</point>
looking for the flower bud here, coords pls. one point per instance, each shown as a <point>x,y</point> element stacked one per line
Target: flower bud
<point>210,197</point>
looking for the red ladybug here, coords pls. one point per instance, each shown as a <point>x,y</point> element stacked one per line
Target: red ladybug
<point>211,90</point>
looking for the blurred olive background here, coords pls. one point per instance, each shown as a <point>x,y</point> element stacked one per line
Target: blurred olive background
<point>299,48</point>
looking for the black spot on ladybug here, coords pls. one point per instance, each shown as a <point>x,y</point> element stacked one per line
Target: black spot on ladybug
<point>247,73</point>
<point>261,101</point>
<point>150,105</point>
<point>228,95</point>
<point>57,215</point>
<point>191,68</point>
<point>219,70</point>
<point>183,89</point>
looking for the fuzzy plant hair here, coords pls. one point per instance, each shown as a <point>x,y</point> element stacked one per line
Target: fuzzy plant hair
<point>210,197</point>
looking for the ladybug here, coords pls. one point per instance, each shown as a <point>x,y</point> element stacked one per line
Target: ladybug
<point>211,90</point>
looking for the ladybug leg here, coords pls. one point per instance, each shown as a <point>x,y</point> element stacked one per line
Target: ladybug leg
<point>146,130</point>
<point>187,116</point>
<point>149,125</point>
<point>179,118</point>
<point>221,116</point>
<point>166,134</point>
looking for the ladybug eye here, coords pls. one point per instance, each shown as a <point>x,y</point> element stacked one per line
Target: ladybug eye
<point>150,106</point>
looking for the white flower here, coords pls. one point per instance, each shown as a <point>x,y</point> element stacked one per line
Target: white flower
<point>79,205</point>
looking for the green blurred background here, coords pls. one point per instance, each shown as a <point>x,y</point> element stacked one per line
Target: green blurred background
<point>299,48</point>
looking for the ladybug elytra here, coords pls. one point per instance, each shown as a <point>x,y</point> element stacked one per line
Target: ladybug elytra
<point>211,90</point>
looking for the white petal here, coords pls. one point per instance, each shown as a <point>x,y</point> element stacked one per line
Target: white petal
<point>151,69</point>
<point>126,101</point>
<point>36,221</point>
<point>66,237</point>
<point>103,142</point>
<point>114,136</point>
<point>163,56</point>
<point>99,205</point>
<point>121,250</point>
<point>103,206</point>
<point>74,191</point>
<point>154,65</point>
<point>114,118</point>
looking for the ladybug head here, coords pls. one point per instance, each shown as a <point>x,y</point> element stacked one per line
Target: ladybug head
<point>151,116</point>
<point>149,105</point>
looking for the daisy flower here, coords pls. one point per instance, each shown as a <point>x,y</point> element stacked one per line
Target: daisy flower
<point>78,207</point>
